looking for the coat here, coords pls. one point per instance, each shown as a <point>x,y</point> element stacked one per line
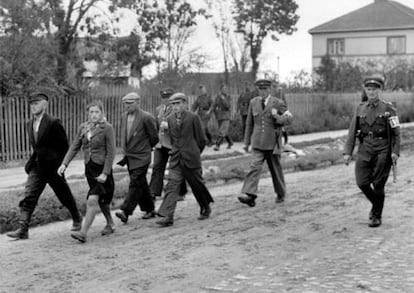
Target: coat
<point>50,147</point>
<point>202,106</point>
<point>263,131</point>
<point>100,148</point>
<point>221,107</point>
<point>143,137</point>
<point>163,111</point>
<point>188,141</point>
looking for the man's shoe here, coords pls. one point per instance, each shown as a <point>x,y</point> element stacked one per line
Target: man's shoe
<point>280,199</point>
<point>205,213</point>
<point>20,233</point>
<point>249,200</point>
<point>77,224</point>
<point>375,222</point>
<point>165,222</point>
<point>121,215</point>
<point>148,215</point>
<point>216,147</point>
<point>80,236</point>
<point>229,145</point>
<point>107,230</point>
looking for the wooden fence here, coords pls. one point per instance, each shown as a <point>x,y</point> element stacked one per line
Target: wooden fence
<point>15,112</point>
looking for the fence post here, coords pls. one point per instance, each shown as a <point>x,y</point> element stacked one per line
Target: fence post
<point>2,126</point>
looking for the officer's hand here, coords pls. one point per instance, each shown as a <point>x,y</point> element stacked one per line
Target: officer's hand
<point>394,158</point>
<point>274,113</point>
<point>347,159</point>
<point>246,148</point>
<point>101,178</point>
<point>61,170</point>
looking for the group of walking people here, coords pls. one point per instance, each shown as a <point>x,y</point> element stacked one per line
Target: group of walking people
<point>178,136</point>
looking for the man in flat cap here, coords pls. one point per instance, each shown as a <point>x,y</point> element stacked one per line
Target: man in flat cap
<point>163,147</point>
<point>203,106</point>
<point>377,128</point>
<point>138,137</point>
<point>188,141</point>
<point>49,143</point>
<point>221,108</point>
<point>266,116</point>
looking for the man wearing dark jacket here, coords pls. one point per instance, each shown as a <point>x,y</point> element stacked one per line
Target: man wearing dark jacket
<point>138,137</point>
<point>188,141</point>
<point>49,143</point>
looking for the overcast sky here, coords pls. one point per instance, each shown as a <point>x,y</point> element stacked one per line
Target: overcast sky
<point>294,51</point>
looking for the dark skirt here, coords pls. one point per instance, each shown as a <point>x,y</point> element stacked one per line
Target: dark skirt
<point>105,191</point>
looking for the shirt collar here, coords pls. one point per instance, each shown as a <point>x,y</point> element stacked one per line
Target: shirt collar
<point>373,103</point>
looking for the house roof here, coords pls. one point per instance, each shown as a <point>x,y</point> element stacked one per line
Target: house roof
<point>379,15</point>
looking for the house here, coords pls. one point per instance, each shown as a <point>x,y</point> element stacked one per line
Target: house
<point>378,35</point>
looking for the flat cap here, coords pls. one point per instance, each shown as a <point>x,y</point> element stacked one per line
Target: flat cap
<point>177,97</point>
<point>166,93</point>
<point>38,97</point>
<point>263,83</point>
<point>374,80</point>
<point>130,97</point>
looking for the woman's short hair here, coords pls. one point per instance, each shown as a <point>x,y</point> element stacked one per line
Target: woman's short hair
<point>95,103</point>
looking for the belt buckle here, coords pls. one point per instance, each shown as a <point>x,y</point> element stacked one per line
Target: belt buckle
<point>370,135</point>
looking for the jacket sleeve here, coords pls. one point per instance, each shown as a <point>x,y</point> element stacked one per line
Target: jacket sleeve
<point>249,125</point>
<point>394,126</point>
<point>199,133</point>
<point>110,149</point>
<point>151,128</point>
<point>194,107</point>
<point>226,102</point>
<point>350,142</point>
<point>60,138</point>
<point>74,147</point>
<point>282,118</point>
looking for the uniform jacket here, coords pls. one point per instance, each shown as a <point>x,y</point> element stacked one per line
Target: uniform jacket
<point>221,107</point>
<point>51,144</point>
<point>243,103</point>
<point>202,106</point>
<point>263,131</point>
<point>100,147</point>
<point>163,111</point>
<point>143,137</point>
<point>375,126</point>
<point>188,140</point>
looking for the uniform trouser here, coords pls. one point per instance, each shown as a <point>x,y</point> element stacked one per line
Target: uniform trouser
<point>251,181</point>
<point>36,183</point>
<point>223,129</point>
<point>371,177</point>
<point>244,118</point>
<point>138,192</point>
<point>206,130</point>
<point>161,157</point>
<point>175,178</point>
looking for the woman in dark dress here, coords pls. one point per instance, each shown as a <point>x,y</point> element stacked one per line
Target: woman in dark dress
<point>97,139</point>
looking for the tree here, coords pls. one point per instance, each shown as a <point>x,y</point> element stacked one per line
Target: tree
<point>257,19</point>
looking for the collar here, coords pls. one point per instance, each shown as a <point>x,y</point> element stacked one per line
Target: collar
<point>373,103</point>
<point>39,119</point>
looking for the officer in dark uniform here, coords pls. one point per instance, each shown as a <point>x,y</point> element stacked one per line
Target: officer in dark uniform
<point>376,126</point>
<point>202,106</point>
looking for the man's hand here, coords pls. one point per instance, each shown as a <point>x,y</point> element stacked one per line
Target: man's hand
<point>347,159</point>
<point>101,178</point>
<point>246,148</point>
<point>394,158</point>
<point>61,170</point>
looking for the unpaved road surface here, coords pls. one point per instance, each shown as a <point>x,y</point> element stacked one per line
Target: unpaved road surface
<point>317,241</point>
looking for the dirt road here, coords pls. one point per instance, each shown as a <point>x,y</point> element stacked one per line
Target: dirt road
<point>317,241</point>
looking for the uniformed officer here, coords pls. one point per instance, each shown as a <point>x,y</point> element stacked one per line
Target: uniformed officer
<point>202,106</point>
<point>243,104</point>
<point>376,125</point>
<point>221,108</point>
<point>265,118</point>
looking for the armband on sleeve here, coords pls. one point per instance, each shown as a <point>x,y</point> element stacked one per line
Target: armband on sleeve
<point>394,121</point>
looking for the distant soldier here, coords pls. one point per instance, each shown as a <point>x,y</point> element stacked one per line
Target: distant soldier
<point>202,107</point>
<point>49,143</point>
<point>376,125</point>
<point>221,108</point>
<point>266,116</point>
<point>243,104</point>
<point>163,148</point>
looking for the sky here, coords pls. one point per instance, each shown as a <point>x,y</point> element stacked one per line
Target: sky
<point>291,53</point>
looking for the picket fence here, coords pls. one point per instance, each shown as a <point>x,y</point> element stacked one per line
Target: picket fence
<point>15,112</point>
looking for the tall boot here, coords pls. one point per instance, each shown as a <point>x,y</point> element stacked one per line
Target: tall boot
<point>218,143</point>
<point>23,231</point>
<point>229,141</point>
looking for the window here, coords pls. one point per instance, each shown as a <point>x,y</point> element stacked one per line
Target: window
<point>336,47</point>
<point>396,45</point>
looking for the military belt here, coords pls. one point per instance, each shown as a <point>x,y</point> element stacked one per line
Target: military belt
<point>371,135</point>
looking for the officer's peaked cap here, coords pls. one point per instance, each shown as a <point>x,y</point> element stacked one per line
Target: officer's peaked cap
<point>374,80</point>
<point>263,83</point>
<point>38,96</point>
<point>166,93</point>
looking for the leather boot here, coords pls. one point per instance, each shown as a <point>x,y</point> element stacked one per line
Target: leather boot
<point>218,143</point>
<point>229,141</point>
<point>23,231</point>
<point>166,221</point>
